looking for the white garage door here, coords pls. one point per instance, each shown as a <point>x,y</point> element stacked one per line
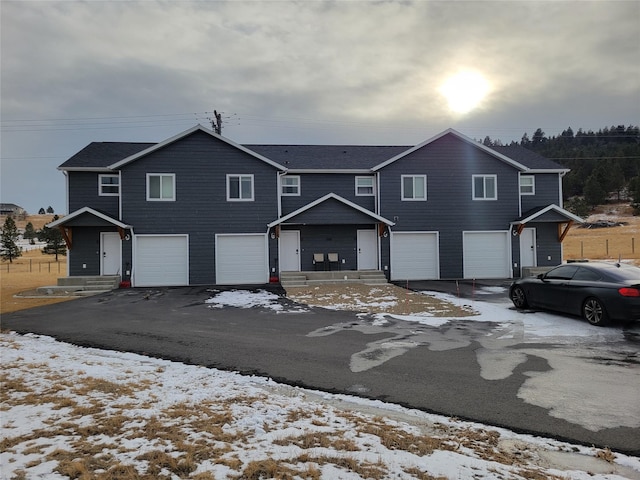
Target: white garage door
<point>241,259</point>
<point>486,255</point>
<point>161,260</point>
<point>414,256</point>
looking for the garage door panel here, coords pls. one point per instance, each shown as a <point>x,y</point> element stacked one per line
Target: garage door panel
<point>486,255</point>
<point>414,256</point>
<point>241,259</point>
<point>161,260</point>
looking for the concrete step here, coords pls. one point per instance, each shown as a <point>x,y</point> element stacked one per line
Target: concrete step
<point>332,277</point>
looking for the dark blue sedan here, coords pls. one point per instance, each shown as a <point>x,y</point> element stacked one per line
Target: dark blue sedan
<point>598,291</point>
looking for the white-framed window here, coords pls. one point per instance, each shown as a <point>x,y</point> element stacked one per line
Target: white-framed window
<point>108,185</point>
<point>161,187</point>
<point>364,186</point>
<point>240,188</point>
<point>527,185</point>
<point>414,187</point>
<point>485,187</point>
<point>290,185</point>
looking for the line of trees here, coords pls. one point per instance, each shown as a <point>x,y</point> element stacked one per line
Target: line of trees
<point>9,248</point>
<point>605,164</point>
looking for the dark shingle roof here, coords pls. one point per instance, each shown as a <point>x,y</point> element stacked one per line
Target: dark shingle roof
<point>528,158</point>
<point>331,157</point>
<point>324,157</point>
<point>103,154</point>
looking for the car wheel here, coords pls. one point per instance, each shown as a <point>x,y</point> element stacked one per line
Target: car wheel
<point>518,297</point>
<point>593,311</point>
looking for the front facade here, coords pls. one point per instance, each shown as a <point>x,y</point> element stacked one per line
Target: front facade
<point>199,209</point>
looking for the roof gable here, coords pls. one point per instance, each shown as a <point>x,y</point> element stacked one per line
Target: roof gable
<point>78,215</point>
<point>459,136</point>
<point>550,213</point>
<point>186,133</point>
<point>329,197</point>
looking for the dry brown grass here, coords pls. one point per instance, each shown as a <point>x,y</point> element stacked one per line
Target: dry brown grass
<point>26,273</point>
<point>606,243</point>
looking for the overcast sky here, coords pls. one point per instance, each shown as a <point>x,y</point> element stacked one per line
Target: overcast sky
<point>342,72</point>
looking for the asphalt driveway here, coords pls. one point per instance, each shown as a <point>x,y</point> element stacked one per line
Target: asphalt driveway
<point>447,368</point>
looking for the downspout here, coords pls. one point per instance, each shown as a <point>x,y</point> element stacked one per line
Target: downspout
<point>513,234</point>
<point>133,253</point>
<point>66,200</point>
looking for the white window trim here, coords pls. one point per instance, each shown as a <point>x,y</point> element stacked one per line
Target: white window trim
<point>173,180</point>
<point>373,186</point>
<point>240,175</point>
<point>473,187</point>
<point>283,186</point>
<point>402,197</point>
<point>533,185</point>
<point>100,185</point>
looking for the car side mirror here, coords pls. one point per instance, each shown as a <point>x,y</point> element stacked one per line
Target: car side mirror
<point>541,276</point>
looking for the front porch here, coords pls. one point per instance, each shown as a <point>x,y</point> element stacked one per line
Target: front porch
<point>81,285</point>
<point>308,278</point>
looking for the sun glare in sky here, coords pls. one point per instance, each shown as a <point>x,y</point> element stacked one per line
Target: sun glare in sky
<point>465,90</point>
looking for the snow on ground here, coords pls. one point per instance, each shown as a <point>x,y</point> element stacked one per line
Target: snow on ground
<point>72,412</point>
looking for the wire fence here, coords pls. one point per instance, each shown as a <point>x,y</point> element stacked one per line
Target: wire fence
<point>32,266</point>
<point>611,247</point>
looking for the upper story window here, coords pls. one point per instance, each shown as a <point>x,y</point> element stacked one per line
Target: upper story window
<point>364,186</point>
<point>240,188</point>
<point>161,187</point>
<point>291,185</point>
<point>108,185</point>
<point>485,187</point>
<point>527,185</point>
<point>414,187</point>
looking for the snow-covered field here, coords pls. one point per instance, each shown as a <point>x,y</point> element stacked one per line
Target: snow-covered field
<point>72,412</point>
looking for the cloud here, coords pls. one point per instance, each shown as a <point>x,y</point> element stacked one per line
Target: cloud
<point>355,72</point>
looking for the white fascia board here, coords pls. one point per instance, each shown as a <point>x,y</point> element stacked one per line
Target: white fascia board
<point>462,137</point>
<point>86,169</point>
<point>191,130</point>
<point>548,208</point>
<point>325,198</point>
<point>561,171</point>
<point>354,171</point>
<point>91,211</point>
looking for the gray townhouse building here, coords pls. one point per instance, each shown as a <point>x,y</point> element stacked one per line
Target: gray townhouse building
<point>200,209</point>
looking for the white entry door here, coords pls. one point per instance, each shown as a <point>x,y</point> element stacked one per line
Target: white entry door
<point>289,251</point>
<point>528,247</point>
<point>367,250</point>
<point>111,256</point>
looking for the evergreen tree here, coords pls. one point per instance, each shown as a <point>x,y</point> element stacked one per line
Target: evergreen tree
<point>55,243</point>
<point>50,209</point>
<point>594,194</point>
<point>41,211</point>
<point>29,232</point>
<point>10,248</point>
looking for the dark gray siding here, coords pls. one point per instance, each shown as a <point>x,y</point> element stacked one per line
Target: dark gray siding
<point>548,249</point>
<point>547,187</point>
<point>332,211</point>
<point>83,192</point>
<point>316,185</point>
<point>85,251</point>
<point>449,164</point>
<point>200,164</point>
<point>340,239</point>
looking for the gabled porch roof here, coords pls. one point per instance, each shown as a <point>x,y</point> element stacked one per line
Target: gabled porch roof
<point>86,217</point>
<point>331,196</point>
<point>551,213</point>
<point>83,217</point>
